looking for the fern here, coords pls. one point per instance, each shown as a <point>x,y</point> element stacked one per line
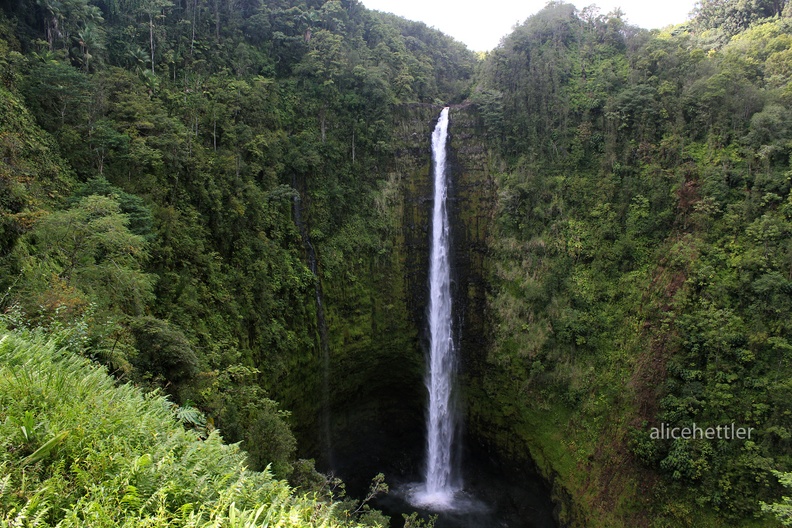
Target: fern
<point>112,456</point>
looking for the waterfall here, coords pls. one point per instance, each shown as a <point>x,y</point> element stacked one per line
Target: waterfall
<point>441,423</point>
<point>321,323</point>
<point>442,489</point>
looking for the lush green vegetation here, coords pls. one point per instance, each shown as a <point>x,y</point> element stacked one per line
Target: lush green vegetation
<point>180,181</point>
<point>643,260</point>
<point>217,200</point>
<point>154,157</point>
<point>79,450</point>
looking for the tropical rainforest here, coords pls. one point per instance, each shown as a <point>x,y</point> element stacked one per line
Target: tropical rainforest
<point>213,244</point>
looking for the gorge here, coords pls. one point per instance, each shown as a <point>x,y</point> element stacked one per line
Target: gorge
<point>234,205</point>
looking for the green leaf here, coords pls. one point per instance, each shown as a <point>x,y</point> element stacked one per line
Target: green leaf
<point>45,449</point>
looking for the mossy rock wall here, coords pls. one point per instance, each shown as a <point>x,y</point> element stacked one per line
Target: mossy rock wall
<point>490,430</point>
<point>375,323</point>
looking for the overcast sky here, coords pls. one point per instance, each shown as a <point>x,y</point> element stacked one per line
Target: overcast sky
<point>482,27</point>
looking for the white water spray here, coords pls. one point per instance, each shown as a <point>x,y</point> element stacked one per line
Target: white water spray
<point>440,484</point>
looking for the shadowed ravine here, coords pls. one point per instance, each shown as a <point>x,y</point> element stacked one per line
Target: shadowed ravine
<point>445,472</point>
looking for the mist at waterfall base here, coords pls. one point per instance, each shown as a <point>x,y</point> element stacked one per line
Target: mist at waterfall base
<point>495,495</point>
<point>507,494</point>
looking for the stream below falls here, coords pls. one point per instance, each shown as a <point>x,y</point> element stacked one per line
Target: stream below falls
<point>497,493</point>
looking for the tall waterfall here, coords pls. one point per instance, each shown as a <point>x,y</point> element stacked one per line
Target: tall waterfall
<point>440,472</point>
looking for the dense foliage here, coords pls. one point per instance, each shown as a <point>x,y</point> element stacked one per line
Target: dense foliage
<point>78,450</point>
<point>644,267</point>
<point>182,182</point>
<point>165,167</point>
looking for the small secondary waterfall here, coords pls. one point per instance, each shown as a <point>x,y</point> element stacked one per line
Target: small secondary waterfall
<point>321,323</point>
<point>440,472</point>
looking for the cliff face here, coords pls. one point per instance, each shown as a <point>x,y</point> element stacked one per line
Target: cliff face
<point>473,204</point>
<point>377,317</point>
<point>490,432</point>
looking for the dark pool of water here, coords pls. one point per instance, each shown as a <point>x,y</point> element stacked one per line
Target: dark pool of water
<point>509,494</point>
<point>494,496</point>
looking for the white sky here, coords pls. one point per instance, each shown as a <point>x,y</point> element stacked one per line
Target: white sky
<point>483,24</point>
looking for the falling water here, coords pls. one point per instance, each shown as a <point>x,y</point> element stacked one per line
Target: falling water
<point>486,503</point>
<point>322,325</point>
<point>440,484</point>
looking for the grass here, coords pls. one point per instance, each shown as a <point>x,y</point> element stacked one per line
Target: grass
<point>78,450</point>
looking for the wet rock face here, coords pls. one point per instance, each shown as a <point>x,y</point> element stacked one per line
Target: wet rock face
<point>377,327</point>
<point>472,211</point>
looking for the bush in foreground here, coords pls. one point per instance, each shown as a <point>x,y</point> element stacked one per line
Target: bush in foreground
<point>78,450</point>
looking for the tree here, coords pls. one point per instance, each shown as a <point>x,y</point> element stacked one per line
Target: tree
<point>91,42</point>
<point>726,18</point>
<point>58,94</point>
<point>138,215</point>
<point>87,254</point>
<point>782,510</point>
<point>151,12</point>
<point>163,350</point>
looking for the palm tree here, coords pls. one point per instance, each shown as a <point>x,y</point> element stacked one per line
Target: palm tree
<point>138,58</point>
<point>91,41</point>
